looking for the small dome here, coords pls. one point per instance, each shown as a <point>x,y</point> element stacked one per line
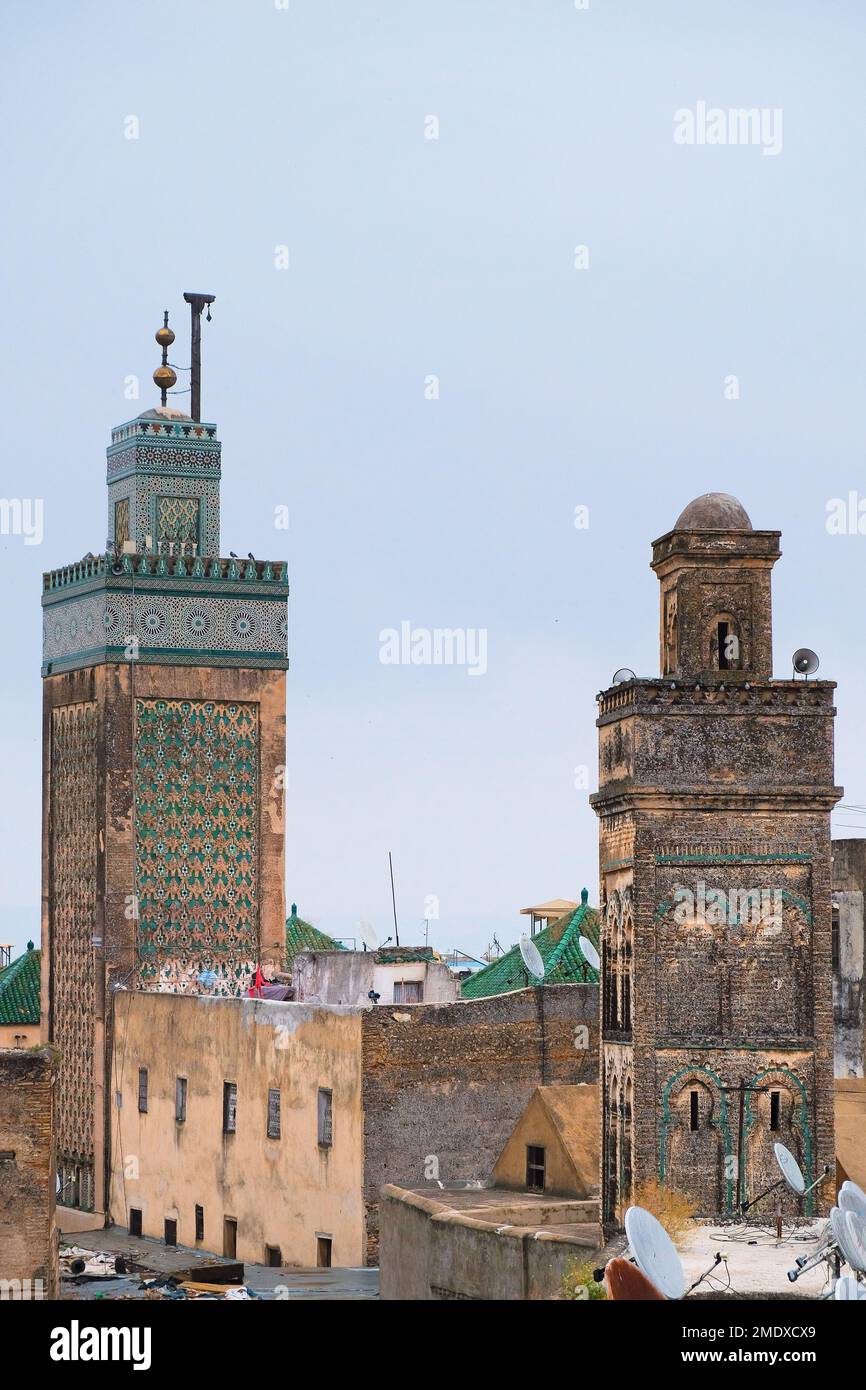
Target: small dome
<point>162,412</point>
<point>714,511</point>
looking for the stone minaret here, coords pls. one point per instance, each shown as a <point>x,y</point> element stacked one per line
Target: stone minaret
<point>714,800</point>
<point>163,761</point>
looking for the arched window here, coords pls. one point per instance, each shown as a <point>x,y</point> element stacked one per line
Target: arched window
<point>725,643</point>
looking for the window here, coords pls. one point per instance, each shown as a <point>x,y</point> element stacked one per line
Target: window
<point>408,991</point>
<point>121,522</point>
<point>273,1256</point>
<point>535,1168</point>
<point>834,922</point>
<point>323,1252</point>
<point>725,644</point>
<point>326,1119</point>
<point>142,1090</point>
<point>694,1111</point>
<point>775,1098</point>
<point>134,1221</point>
<point>273,1114</point>
<point>180,1099</point>
<point>230,1107</point>
<point>170,1232</point>
<point>199,1223</point>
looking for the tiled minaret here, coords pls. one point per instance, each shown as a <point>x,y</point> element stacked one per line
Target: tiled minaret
<point>715,791</point>
<point>163,762</point>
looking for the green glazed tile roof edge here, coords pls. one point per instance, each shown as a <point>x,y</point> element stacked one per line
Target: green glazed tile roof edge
<point>560,950</point>
<point>20,989</point>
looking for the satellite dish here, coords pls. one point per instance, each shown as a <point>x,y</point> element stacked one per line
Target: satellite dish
<point>847,1287</point>
<point>655,1253</point>
<point>843,1237</point>
<point>805,661</point>
<point>791,1170</point>
<point>855,1226</point>
<point>532,957</point>
<point>622,676</point>
<point>852,1197</point>
<point>369,937</point>
<point>590,954</point>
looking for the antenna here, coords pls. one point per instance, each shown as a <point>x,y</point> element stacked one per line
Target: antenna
<point>805,662</point>
<point>655,1253</point>
<point>589,953</point>
<point>196,303</point>
<point>623,676</point>
<point>852,1197</point>
<point>848,1287</point>
<point>393,899</point>
<point>792,1175</point>
<point>368,936</point>
<point>531,958</point>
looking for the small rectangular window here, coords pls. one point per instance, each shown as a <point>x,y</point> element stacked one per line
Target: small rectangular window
<point>535,1167</point>
<point>326,1119</point>
<point>230,1107</point>
<point>135,1221</point>
<point>408,992</point>
<point>199,1223</point>
<point>323,1252</point>
<point>180,1099</point>
<point>170,1232</point>
<point>230,1237</point>
<point>834,927</point>
<point>694,1112</point>
<point>273,1256</point>
<point>775,1097</point>
<point>273,1114</point>
<point>142,1090</point>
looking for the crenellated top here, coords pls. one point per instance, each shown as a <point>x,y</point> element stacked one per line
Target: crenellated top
<point>109,567</point>
<point>652,695</point>
<point>157,427</point>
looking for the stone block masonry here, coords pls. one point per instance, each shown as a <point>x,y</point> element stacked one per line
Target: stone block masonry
<point>28,1241</point>
<point>444,1084</point>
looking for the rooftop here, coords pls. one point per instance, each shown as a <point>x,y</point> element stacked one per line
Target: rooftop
<point>19,988</point>
<point>560,950</point>
<point>302,936</point>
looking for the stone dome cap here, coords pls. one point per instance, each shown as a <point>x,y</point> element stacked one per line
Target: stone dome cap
<point>714,511</point>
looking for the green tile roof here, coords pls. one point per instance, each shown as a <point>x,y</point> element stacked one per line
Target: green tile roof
<point>301,936</point>
<point>19,988</point>
<point>563,959</point>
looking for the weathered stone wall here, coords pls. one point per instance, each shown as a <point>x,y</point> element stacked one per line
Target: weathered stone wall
<point>28,1242</point>
<point>444,1084</point>
<point>849,1016</point>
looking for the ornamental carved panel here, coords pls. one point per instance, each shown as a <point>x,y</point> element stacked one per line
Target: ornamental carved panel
<point>197,844</point>
<point>73,919</point>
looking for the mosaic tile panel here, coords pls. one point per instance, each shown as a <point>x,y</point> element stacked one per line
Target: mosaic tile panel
<point>197,843</point>
<point>73,920</point>
<point>212,628</point>
<point>143,489</point>
<point>121,522</point>
<point>176,520</point>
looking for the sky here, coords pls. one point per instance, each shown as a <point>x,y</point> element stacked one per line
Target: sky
<point>470,275</point>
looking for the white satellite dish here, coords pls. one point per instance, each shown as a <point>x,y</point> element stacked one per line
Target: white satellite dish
<point>855,1226</point>
<point>791,1171</point>
<point>852,1197</point>
<point>623,676</point>
<point>590,954</point>
<point>368,936</point>
<point>847,1287</point>
<point>655,1253</point>
<point>842,1237</point>
<point>532,957</point>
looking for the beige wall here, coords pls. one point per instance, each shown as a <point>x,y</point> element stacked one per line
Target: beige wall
<point>283,1192</point>
<point>20,1035</point>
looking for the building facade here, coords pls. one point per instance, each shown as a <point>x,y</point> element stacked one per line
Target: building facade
<point>28,1237</point>
<point>251,1144</point>
<point>849,888</point>
<point>714,800</point>
<point>163,767</point>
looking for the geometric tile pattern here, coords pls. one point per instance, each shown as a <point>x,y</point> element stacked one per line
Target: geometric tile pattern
<point>73,860</point>
<point>197,843</point>
<point>176,520</point>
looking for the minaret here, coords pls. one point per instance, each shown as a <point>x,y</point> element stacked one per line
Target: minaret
<point>163,761</point>
<point>714,800</point>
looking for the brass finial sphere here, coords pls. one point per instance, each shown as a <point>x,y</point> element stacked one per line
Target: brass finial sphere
<point>164,377</point>
<point>164,337</point>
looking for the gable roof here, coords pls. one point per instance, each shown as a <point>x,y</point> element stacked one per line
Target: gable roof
<point>567,1116</point>
<point>20,987</point>
<point>560,950</point>
<point>302,936</point>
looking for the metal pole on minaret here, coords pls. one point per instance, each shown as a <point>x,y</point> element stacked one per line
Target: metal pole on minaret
<point>196,303</point>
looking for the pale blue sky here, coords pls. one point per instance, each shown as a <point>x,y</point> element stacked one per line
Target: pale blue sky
<point>410,257</point>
